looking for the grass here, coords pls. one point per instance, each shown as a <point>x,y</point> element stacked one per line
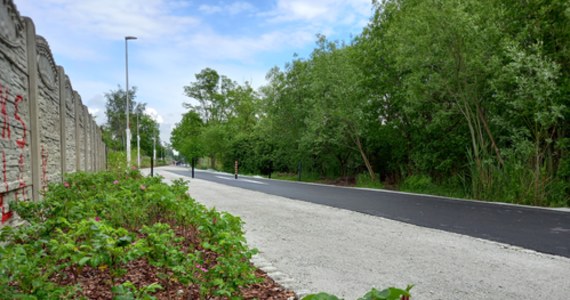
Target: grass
<point>363,180</point>
<point>309,177</point>
<point>423,184</point>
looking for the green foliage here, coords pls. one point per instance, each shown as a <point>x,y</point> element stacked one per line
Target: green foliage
<point>128,291</point>
<point>321,296</point>
<point>364,180</point>
<point>149,134</point>
<point>504,83</point>
<point>117,161</point>
<point>159,245</point>
<point>450,187</point>
<point>387,294</point>
<point>93,243</point>
<point>106,220</point>
<point>186,137</point>
<point>417,183</point>
<point>478,104</point>
<point>222,235</point>
<point>114,131</point>
<point>24,264</point>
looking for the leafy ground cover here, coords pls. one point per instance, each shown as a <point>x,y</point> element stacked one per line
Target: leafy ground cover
<point>374,294</point>
<point>124,236</point>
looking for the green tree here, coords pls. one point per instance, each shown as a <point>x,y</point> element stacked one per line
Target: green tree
<point>148,131</point>
<point>228,112</point>
<point>186,136</point>
<point>285,113</point>
<point>114,129</point>
<point>471,95</point>
<point>338,102</point>
<point>211,91</point>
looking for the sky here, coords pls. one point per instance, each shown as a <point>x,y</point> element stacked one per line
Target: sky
<point>178,38</point>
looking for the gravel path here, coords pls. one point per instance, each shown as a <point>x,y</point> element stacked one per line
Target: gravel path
<point>311,248</point>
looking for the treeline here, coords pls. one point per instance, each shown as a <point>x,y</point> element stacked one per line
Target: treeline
<point>141,125</point>
<point>472,97</point>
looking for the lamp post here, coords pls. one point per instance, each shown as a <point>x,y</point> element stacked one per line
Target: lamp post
<point>138,141</point>
<point>154,147</point>
<point>128,130</point>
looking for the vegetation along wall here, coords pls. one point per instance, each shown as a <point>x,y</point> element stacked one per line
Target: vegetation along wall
<point>45,130</point>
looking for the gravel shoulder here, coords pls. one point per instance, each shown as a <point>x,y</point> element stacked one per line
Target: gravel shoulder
<point>313,248</point>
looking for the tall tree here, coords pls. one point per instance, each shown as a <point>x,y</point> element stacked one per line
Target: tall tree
<point>339,97</point>
<point>211,91</point>
<point>149,131</point>
<point>186,136</point>
<point>116,125</point>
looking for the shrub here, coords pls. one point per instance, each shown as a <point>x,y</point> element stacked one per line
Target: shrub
<point>104,221</point>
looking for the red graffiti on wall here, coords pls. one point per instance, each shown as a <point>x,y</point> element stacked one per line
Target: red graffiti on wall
<point>6,215</point>
<point>22,189</point>
<point>6,132</point>
<point>4,173</point>
<point>22,184</point>
<point>5,123</point>
<point>45,156</point>
<point>20,142</point>
<point>21,164</point>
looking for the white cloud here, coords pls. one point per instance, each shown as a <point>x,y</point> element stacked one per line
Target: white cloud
<point>298,9</point>
<point>239,7</point>
<point>96,107</point>
<point>111,19</point>
<point>153,113</point>
<point>210,9</point>
<point>214,46</point>
<point>233,8</point>
<point>94,111</point>
<point>176,40</point>
<point>321,13</point>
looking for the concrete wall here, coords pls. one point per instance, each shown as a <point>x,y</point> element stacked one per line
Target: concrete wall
<point>45,130</point>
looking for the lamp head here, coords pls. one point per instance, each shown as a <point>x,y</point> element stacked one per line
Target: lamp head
<point>130,37</point>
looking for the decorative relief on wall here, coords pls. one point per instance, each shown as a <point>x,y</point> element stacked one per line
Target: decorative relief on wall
<point>46,64</point>
<point>11,26</point>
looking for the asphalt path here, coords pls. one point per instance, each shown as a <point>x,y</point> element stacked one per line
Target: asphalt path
<point>542,230</point>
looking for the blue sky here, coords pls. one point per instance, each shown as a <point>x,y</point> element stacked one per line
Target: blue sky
<point>178,38</point>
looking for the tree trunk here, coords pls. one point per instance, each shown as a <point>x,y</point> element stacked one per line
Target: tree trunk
<point>477,183</point>
<point>365,158</point>
<point>490,135</point>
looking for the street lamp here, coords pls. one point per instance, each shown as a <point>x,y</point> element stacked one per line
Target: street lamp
<point>154,147</point>
<point>128,130</point>
<point>138,141</point>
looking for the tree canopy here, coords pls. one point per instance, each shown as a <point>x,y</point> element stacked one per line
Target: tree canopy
<point>114,130</point>
<point>472,96</point>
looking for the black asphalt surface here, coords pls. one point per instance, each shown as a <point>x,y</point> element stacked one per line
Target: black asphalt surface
<point>542,230</point>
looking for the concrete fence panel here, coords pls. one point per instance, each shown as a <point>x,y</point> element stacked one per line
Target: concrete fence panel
<point>69,147</point>
<point>45,130</point>
<point>15,135</point>
<point>49,115</point>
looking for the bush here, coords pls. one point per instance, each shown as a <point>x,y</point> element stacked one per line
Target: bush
<point>105,222</point>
